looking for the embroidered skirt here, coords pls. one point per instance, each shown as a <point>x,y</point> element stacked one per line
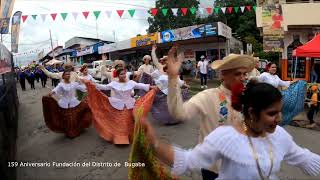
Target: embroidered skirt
<point>70,121</point>
<point>146,79</point>
<point>115,126</point>
<point>160,111</point>
<point>293,101</point>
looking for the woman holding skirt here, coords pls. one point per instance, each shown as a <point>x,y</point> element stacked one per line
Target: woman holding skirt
<point>293,96</point>
<point>68,115</point>
<point>113,117</point>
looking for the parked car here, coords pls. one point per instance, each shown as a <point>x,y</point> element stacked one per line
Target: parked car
<point>94,68</point>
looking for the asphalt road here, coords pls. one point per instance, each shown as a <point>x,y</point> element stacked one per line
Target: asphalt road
<point>36,143</point>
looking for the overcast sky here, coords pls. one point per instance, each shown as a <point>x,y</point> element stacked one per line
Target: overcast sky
<point>35,34</point>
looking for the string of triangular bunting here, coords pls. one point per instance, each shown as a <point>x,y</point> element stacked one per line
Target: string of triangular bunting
<point>153,12</point>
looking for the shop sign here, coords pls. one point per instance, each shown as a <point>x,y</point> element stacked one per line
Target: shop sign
<point>85,51</point>
<point>144,40</point>
<point>224,30</point>
<point>191,32</point>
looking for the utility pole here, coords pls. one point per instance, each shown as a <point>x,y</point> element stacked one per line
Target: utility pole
<point>97,30</point>
<point>51,43</point>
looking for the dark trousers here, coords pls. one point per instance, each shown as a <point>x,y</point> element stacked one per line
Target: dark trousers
<point>311,113</point>
<point>43,82</point>
<point>23,83</point>
<point>55,82</point>
<point>203,79</point>
<point>32,84</point>
<point>208,175</point>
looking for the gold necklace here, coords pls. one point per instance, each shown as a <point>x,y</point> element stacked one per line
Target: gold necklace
<point>255,155</point>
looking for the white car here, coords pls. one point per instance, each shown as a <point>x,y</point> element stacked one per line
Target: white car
<point>94,69</point>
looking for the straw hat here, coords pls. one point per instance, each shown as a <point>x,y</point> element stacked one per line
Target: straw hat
<point>146,57</point>
<point>234,61</point>
<point>164,58</point>
<point>118,62</point>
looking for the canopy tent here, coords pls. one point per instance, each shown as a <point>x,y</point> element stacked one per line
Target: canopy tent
<point>310,49</point>
<point>53,62</point>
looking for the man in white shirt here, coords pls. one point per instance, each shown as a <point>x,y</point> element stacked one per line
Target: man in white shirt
<point>203,69</point>
<point>146,67</point>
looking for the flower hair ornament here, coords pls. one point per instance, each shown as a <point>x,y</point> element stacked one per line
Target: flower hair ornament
<point>236,97</point>
<point>114,74</point>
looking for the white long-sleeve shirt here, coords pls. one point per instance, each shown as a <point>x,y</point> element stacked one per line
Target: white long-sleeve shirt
<point>121,98</point>
<point>238,162</point>
<point>67,93</point>
<point>146,69</point>
<point>274,80</point>
<point>162,81</point>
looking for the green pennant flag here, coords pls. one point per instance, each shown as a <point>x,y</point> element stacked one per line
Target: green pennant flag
<point>131,12</point>
<point>254,7</point>
<point>34,17</point>
<point>164,11</point>
<point>64,16</point>
<point>236,9</point>
<point>216,10</point>
<point>193,10</point>
<point>96,14</point>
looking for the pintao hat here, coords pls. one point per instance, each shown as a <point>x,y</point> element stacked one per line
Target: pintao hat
<point>233,61</point>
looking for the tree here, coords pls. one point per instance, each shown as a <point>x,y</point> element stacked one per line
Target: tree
<point>243,24</point>
<point>160,22</point>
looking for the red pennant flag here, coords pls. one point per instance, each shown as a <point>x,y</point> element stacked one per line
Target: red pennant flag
<point>154,11</point>
<point>120,12</point>
<point>209,10</point>
<point>24,18</point>
<point>54,16</point>
<point>85,14</point>
<point>230,10</point>
<point>249,8</point>
<point>184,11</point>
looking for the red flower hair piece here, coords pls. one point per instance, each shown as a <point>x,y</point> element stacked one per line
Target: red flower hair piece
<point>237,91</point>
<point>114,74</point>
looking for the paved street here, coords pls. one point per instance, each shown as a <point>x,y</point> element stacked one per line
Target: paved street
<point>36,143</point>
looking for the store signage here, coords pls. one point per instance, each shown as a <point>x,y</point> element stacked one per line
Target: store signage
<point>144,40</point>
<point>190,32</point>
<point>85,51</point>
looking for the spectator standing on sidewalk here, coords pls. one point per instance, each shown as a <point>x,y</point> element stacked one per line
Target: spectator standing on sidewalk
<point>203,70</point>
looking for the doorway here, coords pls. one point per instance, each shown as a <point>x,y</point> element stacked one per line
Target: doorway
<point>199,54</point>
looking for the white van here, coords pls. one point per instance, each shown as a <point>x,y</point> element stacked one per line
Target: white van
<point>95,70</point>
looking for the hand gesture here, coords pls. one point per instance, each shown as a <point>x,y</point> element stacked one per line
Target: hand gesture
<point>51,93</point>
<point>41,66</point>
<point>154,87</point>
<point>174,63</point>
<point>154,47</point>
